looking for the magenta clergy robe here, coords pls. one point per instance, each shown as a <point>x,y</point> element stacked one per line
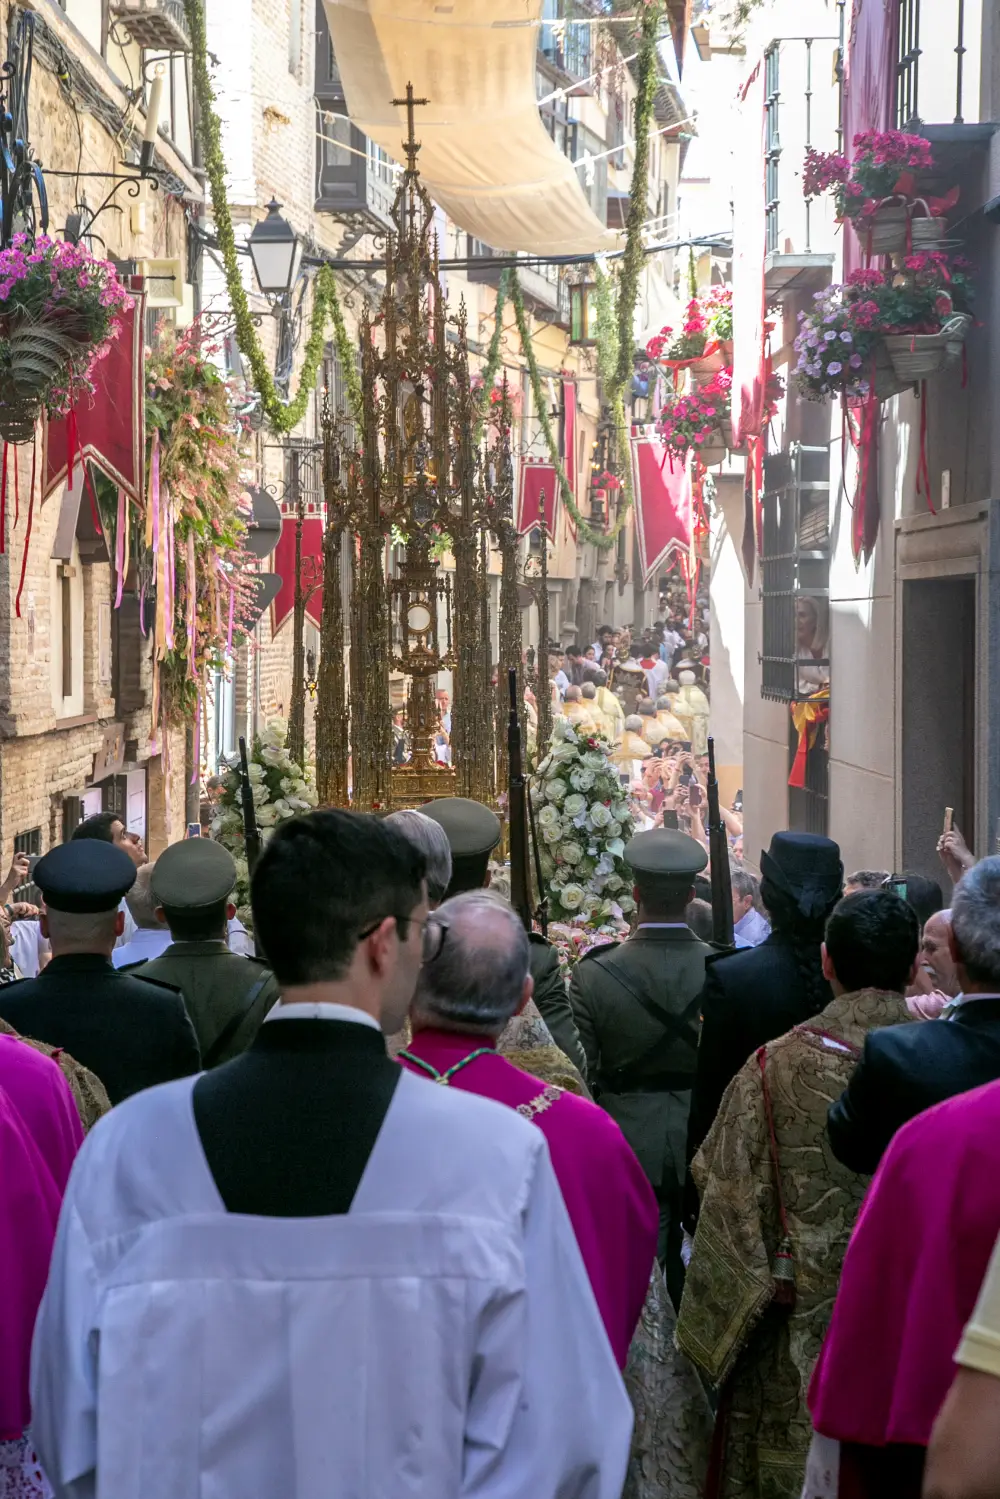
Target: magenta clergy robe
<point>607,1194</point>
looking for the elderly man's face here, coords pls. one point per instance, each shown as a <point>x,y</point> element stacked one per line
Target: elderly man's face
<point>935,958</point>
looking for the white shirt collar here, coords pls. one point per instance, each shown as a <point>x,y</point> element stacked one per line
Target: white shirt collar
<point>968,999</point>
<point>323,1012</point>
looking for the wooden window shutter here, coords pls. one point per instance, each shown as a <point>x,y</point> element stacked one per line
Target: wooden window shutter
<point>128,648</point>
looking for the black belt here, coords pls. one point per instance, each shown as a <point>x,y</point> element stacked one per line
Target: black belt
<point>654,1082</point>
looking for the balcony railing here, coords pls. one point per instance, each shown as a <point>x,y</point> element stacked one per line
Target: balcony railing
<point>946,90</point>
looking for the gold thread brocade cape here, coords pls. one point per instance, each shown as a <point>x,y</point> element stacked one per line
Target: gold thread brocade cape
<point>765,1353</point>
<point>88,1091</point>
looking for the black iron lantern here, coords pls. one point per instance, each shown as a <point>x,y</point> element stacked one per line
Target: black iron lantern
<point>276,252</point>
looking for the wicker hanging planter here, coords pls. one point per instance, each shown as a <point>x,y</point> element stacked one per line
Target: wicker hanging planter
<point>886,233</point>
<point>705,369</point>
<point>914,356</point>
<point>38,359</point>
<point>713,452</point>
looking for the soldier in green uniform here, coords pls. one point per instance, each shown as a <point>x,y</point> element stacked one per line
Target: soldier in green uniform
<point>637,1013</point>
<point>227,995</point>
<point>473,833</point>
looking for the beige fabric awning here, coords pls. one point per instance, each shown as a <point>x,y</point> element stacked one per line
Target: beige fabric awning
<point>486,157</point>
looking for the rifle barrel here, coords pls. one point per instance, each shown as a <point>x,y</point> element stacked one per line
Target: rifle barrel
<point>251,833</point>
<point>718,849</point>
<point>517,812</point>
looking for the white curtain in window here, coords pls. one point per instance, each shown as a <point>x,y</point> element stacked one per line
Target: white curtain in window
<point>486,157</point>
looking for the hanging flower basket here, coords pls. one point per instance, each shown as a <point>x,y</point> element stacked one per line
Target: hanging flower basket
<point>705,369</point>
<point>887,383</point>
<point>58,309</point>
<point>914,356</point>
<point>713,452</point>
<point>886,233</point>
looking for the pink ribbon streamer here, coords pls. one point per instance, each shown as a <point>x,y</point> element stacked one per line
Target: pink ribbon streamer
<point>192,606</point>
<point>195,768</point>
<point>169,603</point>
<point>232,611</point>
<point>120,525</point>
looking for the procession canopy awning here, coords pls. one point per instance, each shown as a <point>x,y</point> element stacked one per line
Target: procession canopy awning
<point>485,156</point>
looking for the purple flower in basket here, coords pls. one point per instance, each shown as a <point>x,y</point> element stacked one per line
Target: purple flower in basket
<point>846,338</point>
<point>834,367</point>
<point>856,361</point>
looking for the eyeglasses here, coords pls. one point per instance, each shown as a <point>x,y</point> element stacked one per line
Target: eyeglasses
<point>434,930</point>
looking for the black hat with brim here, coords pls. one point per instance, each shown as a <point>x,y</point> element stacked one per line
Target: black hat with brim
<point>806,868</point>
<point>84,876</point>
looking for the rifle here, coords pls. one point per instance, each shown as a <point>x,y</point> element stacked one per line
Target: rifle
<point>542,910</point>
<point>718,850</point>
<point>251,833</point>
<point>517,813</point>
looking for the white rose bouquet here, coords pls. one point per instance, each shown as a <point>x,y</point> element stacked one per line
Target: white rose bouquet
<point>281,789</point>
<point>584,822</point>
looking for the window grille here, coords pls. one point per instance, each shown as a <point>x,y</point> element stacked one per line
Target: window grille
<point>772,144</point>
<point>908,64</point>
<point>795,570</point>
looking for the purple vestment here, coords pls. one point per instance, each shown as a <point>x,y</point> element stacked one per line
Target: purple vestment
<point>607,1194</point>
<point>911,1276</point>
<point>40,1133</point>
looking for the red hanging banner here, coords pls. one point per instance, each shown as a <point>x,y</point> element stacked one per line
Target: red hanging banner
<point>663,504</point>
<point>312,569</point>
<point>535,476</point>
<point>570,427</point>
<point>108,429</point>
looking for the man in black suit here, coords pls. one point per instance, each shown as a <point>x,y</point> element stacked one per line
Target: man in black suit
<point>756,995</point>
<point>132,1033</point>
<point>908,1068</point>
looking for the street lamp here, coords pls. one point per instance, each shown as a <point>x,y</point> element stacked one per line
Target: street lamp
<point>276,252</point>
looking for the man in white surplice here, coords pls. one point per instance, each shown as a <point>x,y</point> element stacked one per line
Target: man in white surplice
<point>309,1274</point>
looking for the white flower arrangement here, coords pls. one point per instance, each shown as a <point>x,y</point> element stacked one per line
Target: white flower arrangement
<point>280,788</point>
<point>583,821</point>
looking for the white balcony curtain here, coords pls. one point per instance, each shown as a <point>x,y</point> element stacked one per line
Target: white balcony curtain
<point>486,157</point>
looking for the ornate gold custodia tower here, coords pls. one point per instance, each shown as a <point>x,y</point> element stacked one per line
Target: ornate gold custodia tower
<point>418,485</point>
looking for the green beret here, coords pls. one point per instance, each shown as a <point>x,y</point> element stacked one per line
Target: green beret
<point>194,873</point>
<point>471,828</point>
<point>664,851</point>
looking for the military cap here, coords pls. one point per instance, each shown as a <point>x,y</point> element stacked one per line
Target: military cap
<point>192,874</point>
<point>84,876</point>
<point>471,828</point>
<point>666,852</point>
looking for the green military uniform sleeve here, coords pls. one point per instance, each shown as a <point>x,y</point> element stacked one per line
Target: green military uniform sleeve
<point>581,1004</point>
<point>553,1002</point>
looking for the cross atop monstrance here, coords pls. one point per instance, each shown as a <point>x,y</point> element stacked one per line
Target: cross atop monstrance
<point>411,145</point>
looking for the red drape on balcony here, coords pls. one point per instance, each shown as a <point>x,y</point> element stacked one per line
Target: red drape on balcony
<point>869,104</point>
<point>663,514</point>
<point>869,85</point>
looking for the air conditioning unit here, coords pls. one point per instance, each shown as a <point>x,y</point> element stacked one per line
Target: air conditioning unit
<point>159,25</point>
<point>164,282</point>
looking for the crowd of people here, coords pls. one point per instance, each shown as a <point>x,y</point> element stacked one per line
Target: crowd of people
<point>392,1207</point>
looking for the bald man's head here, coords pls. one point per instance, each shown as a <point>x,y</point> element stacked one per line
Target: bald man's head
<point>935,956</point>
<point>480,977</point>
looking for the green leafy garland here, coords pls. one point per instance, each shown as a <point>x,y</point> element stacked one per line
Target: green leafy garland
<point>602,539</point>
<point>489,370</point>
<point>615,305</point>
<point>282,416</point>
